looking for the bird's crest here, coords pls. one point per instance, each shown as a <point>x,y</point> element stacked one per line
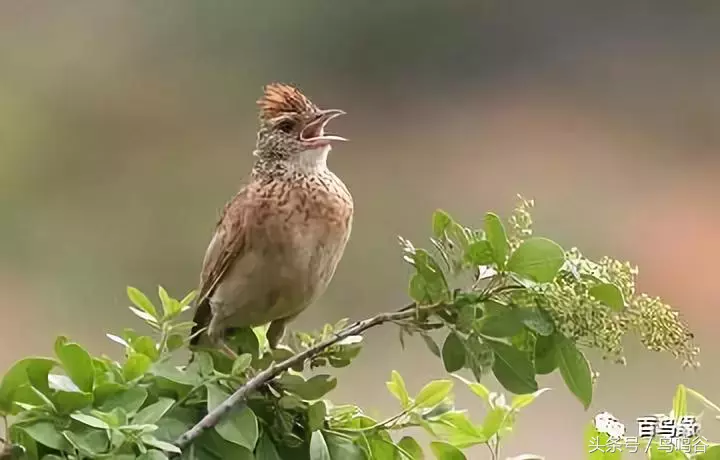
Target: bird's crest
<point>279,99</point>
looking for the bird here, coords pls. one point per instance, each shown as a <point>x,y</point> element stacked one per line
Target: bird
<point>279,240</point>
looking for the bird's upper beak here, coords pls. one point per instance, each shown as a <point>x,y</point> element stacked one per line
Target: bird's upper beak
<point>314,131</point>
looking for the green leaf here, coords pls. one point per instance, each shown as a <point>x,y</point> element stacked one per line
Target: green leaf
<point>657,454</point>
<point>545,354</point>
<point>380,445</point>
<point>457,429</point>
<point>609,294</point>
<point>453,353</point>
<point>411,447</point>
<point>152,441</point>
<point>27,370</point>
<point>211,446</point>
<point>240,426</point>
<point>245,340</point>
<point>478,388</point>
<point>316,416</point>
<point>440,222</point>
<point>91,421</point>
<point>117,417</point>
<point>47,434</point>
<point>171,307</point>
<point>176,422</point>
<point>118,340</point>
<point>536,320</point>
<point>241,363</point>
<point>433,393</point>
<point>147,317</point>
<point>513,369</point>
<point>680,402</point>
<point>175,341</point>
<point>153,455</point>
<point>145,345</point>
<point>69,401</point>
<point>538,259</point>
<point>466,316</point>
<point>520,401</point>
<point>712,453</point>
<point>314,388</point>
<point>595,445</point>
<point>266,449</point>
<point>495,231</point>
<point>431,280</point>
<point>480,252</point>
<point>575,370</point>
<point>479,356</point>
<point>90,442</point>
<point>130,400</point>
<point>342,447</point>
<point>173,374</point>
<point>141,301</point>
<point>23,446</point>
<point>493,421</point>
<point>292,403</point>
<point>318,447</point>
<point>187,300</point>
<point>153,412</point>
<point>202,364</point>
<point>396,386</point>
<point>419,290</point>
<point>77,363</point>
<point>445,451</point>
<point>136,366</point>
<point>504,324</point>
<point>430,343</point>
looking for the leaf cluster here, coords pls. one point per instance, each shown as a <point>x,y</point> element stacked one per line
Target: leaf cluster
<point>485,301</point>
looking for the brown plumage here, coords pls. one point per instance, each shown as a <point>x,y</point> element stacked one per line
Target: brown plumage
<point>279,99</point>
<point>279,240</point>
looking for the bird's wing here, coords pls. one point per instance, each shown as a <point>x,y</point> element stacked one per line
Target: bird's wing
<point>226,246</point>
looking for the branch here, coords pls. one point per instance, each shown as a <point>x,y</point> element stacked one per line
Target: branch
<point>216,415</point>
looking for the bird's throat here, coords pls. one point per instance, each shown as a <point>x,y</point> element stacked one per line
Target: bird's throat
<point>312,160</point>
<point>307,162</point>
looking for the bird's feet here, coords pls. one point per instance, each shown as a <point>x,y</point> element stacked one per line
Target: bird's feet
<point>225,348</point>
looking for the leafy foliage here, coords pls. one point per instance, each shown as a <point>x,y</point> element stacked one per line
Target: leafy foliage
<point>498,299</point>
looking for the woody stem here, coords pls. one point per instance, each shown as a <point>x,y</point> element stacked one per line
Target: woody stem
<point>264,377</point>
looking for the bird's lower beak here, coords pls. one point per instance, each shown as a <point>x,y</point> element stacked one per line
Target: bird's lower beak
<point>315,130</point>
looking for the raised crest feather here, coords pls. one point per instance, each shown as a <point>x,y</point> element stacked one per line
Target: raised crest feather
<point>279,98</point>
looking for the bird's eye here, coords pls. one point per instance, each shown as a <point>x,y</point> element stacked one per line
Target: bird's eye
<point>286,126</point>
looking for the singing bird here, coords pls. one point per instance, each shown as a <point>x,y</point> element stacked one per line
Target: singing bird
<point>279,240</point>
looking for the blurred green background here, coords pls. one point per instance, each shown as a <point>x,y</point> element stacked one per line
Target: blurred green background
<point>125,126</point>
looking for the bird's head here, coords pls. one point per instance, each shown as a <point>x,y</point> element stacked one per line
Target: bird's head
<point>292,128</point>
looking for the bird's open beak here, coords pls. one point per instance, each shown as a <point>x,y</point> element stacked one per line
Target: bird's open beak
<point>314,132</point>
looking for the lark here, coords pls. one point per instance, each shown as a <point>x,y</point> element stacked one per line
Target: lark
<point>279,240</point>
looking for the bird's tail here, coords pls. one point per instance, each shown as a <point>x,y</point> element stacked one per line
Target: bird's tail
<point>203,315</point>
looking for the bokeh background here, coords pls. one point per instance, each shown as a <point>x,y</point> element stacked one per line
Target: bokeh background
<point>125,126</point>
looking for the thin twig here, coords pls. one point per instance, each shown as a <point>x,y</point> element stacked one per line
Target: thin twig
<point>216,415</point>
<point>492,452</point>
